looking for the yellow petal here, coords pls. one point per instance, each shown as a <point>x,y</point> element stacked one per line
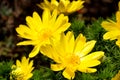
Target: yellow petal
<point>109,26</point>
<point>25,61</point>
<point>30,64</point>
<point>46,1</point>
<point>45,4</point>
<point>111,35</point>
<point>62,28</point>
<point>118,17</point>
<point>18,63</point>
<point>74,6</point>
<point>29,76</point>
<point>118,42</point>
<point>47,50</point>
<point>92,63</point>
<point>50,52</point>
<point>65,2</point>
<point>119,5</point>
<point>26,43</point>
<point>95,55</point>
<point>70,42</point>
<point>91,70</point>
<point>30,22</point>
<point>55,2</point>
<point>87,70</point>
<point>49,5</point>
<point>87,48</point>
<point>46,17</point>
<point>22,28</point>
<point>69,74</point>
<point>65,45</point>
<point>37,21</point>
<point>60,20</point>
<point>25,32</point>
<point>57,67</point>
<point>61,7</point>
<point>34,52</point>
<point>53,17</point>
<point>79,44</point>
<point>61,46</point>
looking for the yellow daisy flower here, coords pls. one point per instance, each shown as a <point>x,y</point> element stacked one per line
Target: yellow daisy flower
<point>39,31</point>
<point>113,28</point>
<point>22,70</point>
<point>63,6</point>
<point>71,55</point>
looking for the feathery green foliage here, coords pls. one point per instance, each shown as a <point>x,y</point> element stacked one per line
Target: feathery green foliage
<point>43,74</point>
<point>5,69</point>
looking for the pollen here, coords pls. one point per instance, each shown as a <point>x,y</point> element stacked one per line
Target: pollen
<point>45,34</point>
<point>73,60</point>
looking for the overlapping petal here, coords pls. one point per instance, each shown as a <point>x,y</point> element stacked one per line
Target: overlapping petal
<point>87,48</point>
<point>112,28</point>
<point>50,5</point>
<point>39,30</point>
<point>68,73</point>
<point>22,70</point>
<point>112,35</point>
<point>57,67</point>
<point>71,55</point>
<point>109,25</point>
<point>63,6</point>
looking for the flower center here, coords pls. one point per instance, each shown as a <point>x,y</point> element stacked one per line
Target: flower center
<point>73,60</point>
<point>45,34</point>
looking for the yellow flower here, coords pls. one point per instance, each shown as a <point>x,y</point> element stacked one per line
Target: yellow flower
<point>117,76</point>
<point>71,55</point>
<point>39,31</point>
<point>63,6</point>
<point>22,70</point>
<point>113,28</point>
<point>50,5</point>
